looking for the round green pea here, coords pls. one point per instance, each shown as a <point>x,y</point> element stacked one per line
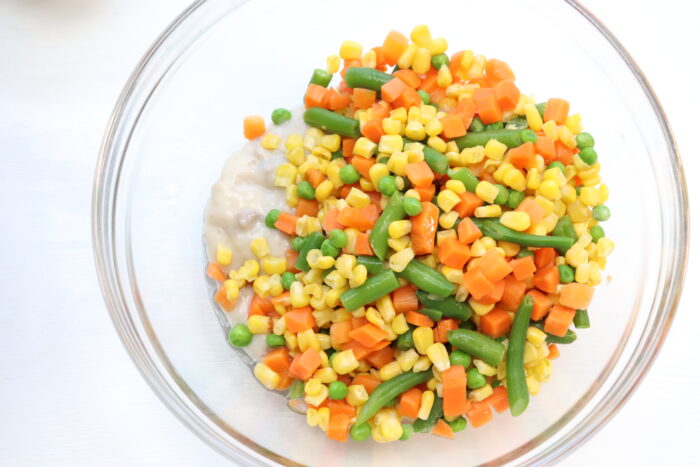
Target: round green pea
<point>424,96</point>
<point>360,432</point>
<point>515,197</point>
<point>475,380</point>
<point>387,185</point>
<point>524,252</point>
<point>297,243</point>
<point>338,238</point>
<point>460,358</point>
<point>597,232</point>
<point>287,279</point>
<point>281,115</point>
<point>240,335</point>
<point>476,125</point>
<point>349,174</point>
<point>584,140</point>
<point>273,340</point>
<point>405,341</point>
<point>502,196</point>
<point>558,165</point>
<point>305,190</point>
<point>439,60</point>
<point>337,390</point>
<point>327,249</point>
<point>272,217</point>
<point>407,432</point>
<point>601,213</point>
<point>566,274</point>
<point>528,136</point>
<point>458,424</point>
<point>412,206</point>
<point>588,155</point>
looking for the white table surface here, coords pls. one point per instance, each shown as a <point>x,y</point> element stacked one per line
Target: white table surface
<point>69,394</point>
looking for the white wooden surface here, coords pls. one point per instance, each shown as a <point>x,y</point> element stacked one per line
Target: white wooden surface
<point>69,394</point>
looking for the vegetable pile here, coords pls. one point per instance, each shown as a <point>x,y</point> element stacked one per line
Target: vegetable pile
<point>444,238</point>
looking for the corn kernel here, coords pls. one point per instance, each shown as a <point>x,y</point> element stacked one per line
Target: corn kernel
<point>437,353</point>
<point>472,155</point>
<point>350,50</point>
<point>604,247</point>
<point>398,261</point>
<point>259,247</point>
<point>358,276</point>
<point>261,286</point>
<point>364,147</point>
<point>391,126</point>
<point>415,130</point>
<point>434,128</point>
<point>484,368</point>
<point>398,244</point>
<point>576,255</point>
<point>390,370</point>
<point>388,144</point>
<point>266,376</point>
<point>492,210</point>
<point>397,163</point>
<point>444,77</point>
<point>448,199</point>
<point>427,400</point>
<point>344,362</point>
<point>232,289</point>
<point>407,359</point>
<point>398,229</point>
<point>285,175</point>
<point>294,140</point>
<point>533,386</point>
<point>566,137</point>
<point>476,69</point>
<point>486,191</point>
<point>369,59</point>
<point>467,60</point>
<point>535,336</point>
<point>422,364</point>
<point>480,394</point>
<point>259,324</point>
<point>480,309</point>
<point>421,60</point>
<point>495,150</point>
<point>421,36</point>
<point>270,141</point>
<point>357,394</point>
<point>318,398</point>
<point>312,387</point>
<point>422,339</point>
<point>534,119</point>
<point>386,308</point>
<point>583,273</point>
<point>550,130</point>
<point>549,190</point>
<point>437,143</point>
<point>447,220</point>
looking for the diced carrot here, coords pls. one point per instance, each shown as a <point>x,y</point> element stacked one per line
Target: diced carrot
<point>381,58</point>
<point>372,129</point>
<point>546,279</point>
<point>542,304</point>
<point>419,173</point>
<point>426,193</point>
<point>498,70</point>
<point>291,257</point>
<point>362,245</point>
<point>337,101</point>
<point>409,403</point>
<point>375,198</point>
<point>553,351</point>
<point>394,45</point>
<point>429,83</point>
<point>314,177</point>
<point>523,267</point>
<point>340,406</point>
<point>348,146</point>
<point>340,333</point>
<point>418,319</point>
<point>467,231</point>
<point>409,98</point>
<point>507,94</point>
<point>281,300</point>
<point>544,257</point>
<point>215,272</point>
<point>499,399</point>
<point>345,189</point>
<point>223,301</point>
<point>513,293</point>
<point>468,205</point>
<point>305,364</point>
<point>380,110</point>
<point>523,156</point>
<point>495,295</point>
<point>443,326</point>
<point>253,126</point>
<point>477,283</point>
<point>456,62</point>
<point>495,323</point>
<point>330,220</point>
<point>299,319</point>
<point>565,155</point>
<point>315,96</point>
<point>466,110</point>
<point>557,110</point>
<point>358,322</point>
<point>369,334</point>
<point>359,350</point>
<point>306,207</point>
<point>349,64</point>
<point>479,413</point>
<point>368,381</point>
<point>260,306</point>
<point>381,357</point>
<point>454,254</point>
<point>285,381</point>
<point>363,98</point>
<point>487,108</point>
<point>576,296</point>
<point>545,148</point>
<point>404,299</point>
<point>558,320</point>
<point>532,208</point>
<point>409,77</point>
<point>424,228</point>
<point>453,126</point>
<point>356,218</point>
<point>277,359</point>
<point>442,429</point>
<point>454,391</point>
<point>287,223</point>
<point>362,164</point>
<point>338,426</point>
<point>437,95</point>
<point>393,89</point>
<point>494,266</point>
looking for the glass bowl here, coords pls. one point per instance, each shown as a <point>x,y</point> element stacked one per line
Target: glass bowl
<point>180,117</point>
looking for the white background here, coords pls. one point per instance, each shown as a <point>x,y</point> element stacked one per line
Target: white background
<point>69,394</point>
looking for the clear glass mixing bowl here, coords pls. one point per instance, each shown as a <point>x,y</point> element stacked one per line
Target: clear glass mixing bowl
<point>179,118</point>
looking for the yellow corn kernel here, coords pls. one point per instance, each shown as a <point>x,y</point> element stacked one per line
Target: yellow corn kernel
<point>477,67</point>
<point>399,325</point>
<point>357,394</point>
<point>358,276</point>
<point>388,144</point>
<point>484,368</point>
<point>573,123</point>
<point>444,77</point>
<point>576,255</point>
<point>420,35</point>
<point>285,175</point>
<point>452,274</point>
<point>390,370</point>
<point>467,60</point>
<point>480,394</point>
<point>583,273</point>
<point>415,130</point>
<point>432,384</point>
<point>350,50</point>
<point>473,155</point>
<point>477,250</point>
<point>335,280</point>
<point>325,375</point>
<point>596,271</point>
<point>532,179</point>
<point>324,190</point>
<point>604,247</point>
<point>386,308</point>
<point>322,153</point>
<point>566,136</point>
<point>486,191</point>
<point>510,249</point>
<point>294,140</point>
<point>516,220</point>
<point>407,358</point>
<point>434,128</point>
<point>297,297</point>
<point>366,185</point>
<point>550,130</point>
<point>448,199</point>
<point>398,261</point>
<point>324,417</point>
<point>318,398</point>
<point>427,399</point>
<point>291,340</point>
<point>369,59</point>
<point>421,60</point>
<point>429,260</point>
<point>437,46</point>
<point>270,141</point>
<point>391,126</point>
<point>556,176</point>
<point>397,163</point>
<point>530,354</point>
<point>398,244</point>
<point>585,239</point>
<point>307,340</point>
<point>422,339</point>
<point>412,194</point>
<point>364,147</point>
<point>495,150</point>
<point>549,190</point>
<point>423,363</point>
<point>502,169</point>
<point>447,220</point>
<point>374,317</point>
<point>492,210</point>
<point>291,195</point>
<point>387,431</point>
<point>312,387</point>
<point>344,362</point>
<point>312,417</point>
<point>259,324</point>
<point>479,308</point>
<point>296,156</point>
<point>590,196</point>
<point>223,255</point>
<point>406,58</point>
<point>249,270</point>
<point>332,63</point>
<point>533,386</point>
<point>376,172</point>
<point>437,143</point>
<point>344,265</point>
<point>535,336</point>
<point>232,289</point>
<point>274,264</point>
<point>357,198</point>
<point>437,353</point>
<point>534,119</point>
<point>398,229</point>
<point>568,194</point>
<point>266,376</point>
<point>455,186</point>
<point>259,247</point>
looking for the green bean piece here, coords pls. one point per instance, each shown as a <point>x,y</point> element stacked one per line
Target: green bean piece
<point>494,126</point>
<point>568,338</point>
<point>584,140</point>
<point>449,307</point>
<point>321,77</point>
<point>528,136</point>
<point>392,402</point>
<point>407,432</point>
<point>327,249</point>
<point>467,325</point>
<point>427,279</point>
<point>475,380</point>
<point>518,394</point>
<point>465,176</point>
<point>379,237</point>
<point>566,274</point>
<point>565,228</point>
<point>367,78</point>
<point>412,206</point>
<point>337,155</point>
<point>494,229</point>
<point>297,243</point>
<point>581,320</point>
<point>281,115</point>
<point>389,389</point>
<point>601,213</point>
<point>405,340</point>
<point>332,122</point>
<point>517,123</point>
<point>373,264</point>
<point>424,426</point>
<point>274,340</point>
<point>296,390</point>
<point>424,96</point>
<point>515,197</point>
<point>313,241</point>
<point>502,196</point>
<point>435,315</point>
<point>476,125</point>
<point>541,107</point>
<point>373,289</point>
<point>478,345</point>
<point>460,358</point>
<point>510,138</point>
<point>597,232</point>
<point>439,60</point>
<point>271,218</point>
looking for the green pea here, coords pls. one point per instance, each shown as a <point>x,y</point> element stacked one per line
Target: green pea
<point>558,165</point>
<point>460,358</point>
<point>321,77</point>
<point>458,424</point>
<point>337,390</point>
<point>588,155</point>
<point>360,432</point>
<point>494,126</point>
<point>327,249</point>
<point>338,238</point>
<point>387,185</point>
<point>272,217</point>
<point>407,431</point>
<point>566,274</point>
<point>273,340</point>
<point>584,140</point>
<point>475,380</point>
<point>337,155</point>
<point>439,60</point>
<point>597,232</point>
<point>280,116</point>
<point>476,125</point>
<point>524,252</point>
<point>515,197</point>
<point>502,196</point>
<point>541,107</point>
<point>349,174</point>
<point>240,335</point>
<point>424,96</point>
<point>297,243</point>
<point>601,213</point>
<point>305,190</point>
<point>405,340</point>
<point>287,279</point>
<point>528,136</point>
<point>412,206</point>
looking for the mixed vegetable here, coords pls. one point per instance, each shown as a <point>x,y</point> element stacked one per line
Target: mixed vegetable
<point>444,237</point>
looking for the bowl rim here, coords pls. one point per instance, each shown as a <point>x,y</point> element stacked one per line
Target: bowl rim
<point>103,238</point>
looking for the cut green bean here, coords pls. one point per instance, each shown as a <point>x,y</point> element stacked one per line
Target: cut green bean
<point>313,241</point>
<point>581,320</point>
<point>424,426</point>
<point>498,231</point>
<point>379,237</point>
<point>565,228</point>
<point>367,78</point>
<point>478,345</point>
<point>427,279</point>
<point>405,340</point>
<point>332,122</point>
<point>373,264</point>
<point>437,161</point>
<point>515,197</point>
<point>449,307</point>
<point>464,175</point>
<point>321,77</point>
<point>568,338</point>
<point>510,138</point>
<point>373,289</point>
<point>388,390</point>
<point>435,315</point>
<point>518,394</point>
